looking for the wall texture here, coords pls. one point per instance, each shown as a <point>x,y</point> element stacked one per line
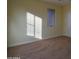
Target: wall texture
<point>66,20</point>
<point>17,20</point>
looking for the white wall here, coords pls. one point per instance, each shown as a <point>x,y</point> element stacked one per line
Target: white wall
<point>17,20</point>
<point>66,20</point>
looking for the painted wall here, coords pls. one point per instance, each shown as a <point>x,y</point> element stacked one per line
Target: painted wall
<point>66,20</point>
<point>17,20</point>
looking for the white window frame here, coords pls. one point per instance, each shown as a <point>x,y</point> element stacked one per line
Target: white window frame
<point>34,35</point>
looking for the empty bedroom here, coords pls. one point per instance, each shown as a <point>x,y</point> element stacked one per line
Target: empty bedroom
<point>39,29</point>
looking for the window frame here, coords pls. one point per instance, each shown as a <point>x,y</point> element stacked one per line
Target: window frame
<point>34,35</point>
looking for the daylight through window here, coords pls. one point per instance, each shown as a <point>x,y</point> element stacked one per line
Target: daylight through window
<point>34,25</point>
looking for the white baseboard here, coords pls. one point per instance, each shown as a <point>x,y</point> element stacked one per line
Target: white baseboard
<point>20,43</point>
<point>66,35</point>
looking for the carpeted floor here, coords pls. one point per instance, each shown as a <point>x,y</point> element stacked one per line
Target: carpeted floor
<point>53,48</point>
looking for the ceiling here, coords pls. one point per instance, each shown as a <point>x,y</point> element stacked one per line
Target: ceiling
<point>60,2</point>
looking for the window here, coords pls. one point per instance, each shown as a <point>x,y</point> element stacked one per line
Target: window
<point>51,17</point>
<point>34,25</point>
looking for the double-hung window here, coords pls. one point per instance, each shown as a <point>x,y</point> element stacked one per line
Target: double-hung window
<point>34,25</point>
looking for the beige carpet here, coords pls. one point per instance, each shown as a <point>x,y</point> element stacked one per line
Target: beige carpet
<point>53,48</point>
